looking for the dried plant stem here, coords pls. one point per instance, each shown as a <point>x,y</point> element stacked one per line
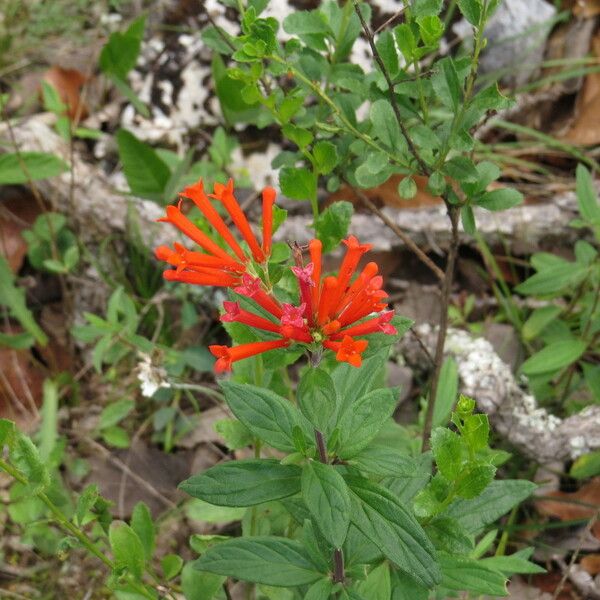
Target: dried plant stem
<point>454,214</point>
<point>410,244</point>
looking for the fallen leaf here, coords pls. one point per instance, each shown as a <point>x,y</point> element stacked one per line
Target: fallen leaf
<point>584,129</point>
<point>21,381</point>
<point>387,194</point>
<point>571,506</point>
<point>68,84</point>
<point>583,8</point>
<point>548,582</point>
<point>18,212</point>
<point>591,563</point>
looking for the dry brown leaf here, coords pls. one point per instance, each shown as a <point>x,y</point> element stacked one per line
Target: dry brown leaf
<point>387,194</point>
<point>583,8</point>
<point>584,129</point>
<point>18,211</point>
<point>68,83</point>
<point>591,563</point>
<point>571,506</point>
<point>548,582</point>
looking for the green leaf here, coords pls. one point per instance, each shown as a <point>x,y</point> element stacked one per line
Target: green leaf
<point>587,197</point>
<point>462,169</point>
<point>127,548</point>
<point>300,136</point>
<point>146,174</point>
<point>447,448</point>
<point>143,526</point>
<point>496,500</point>
<point>446,83</point>
<point>387,51</point>
<point>468,219</point>
<point>553,357</point>
<point>268,560</point>
<point>48,433</point>
<point>363,420</point>
<point>85,502</point>
<point>326,496</point>
<point>447,391</point>
<point>171,565</point>
<point>331,226</point>
<point>116,436</point>
<point>461,573</point>
<point>269,416</point>
<point>298,184</point>
<point>25,166</point>
<point>200,586</point>
<point>377,585</point>
<point>17,341</point>
<point>587,465</point>
<point>199,510</point>
<point>407,188</point>
<point>474,481</point>
<point>115,412</point>
<point>471,10</point>
<point>26,457</point>
<point>389,525</point>
<point>501,199</point>
<point>538,320</point>
<point>509,565</point>
<point>7,432</point>
<point>426,8</point>
<point>553,279</point>
<point>326,157</point>
<point>244,482</point>
<point>320,590</point>
<point>120,53</point>
<point>316,398</point>
<point>447,535</point>
<point>404,587</point>
<point>436,184</point>
<point>385,124</point>
<point>235,434</point>
<point>305,22</point>
<point>406,41</point>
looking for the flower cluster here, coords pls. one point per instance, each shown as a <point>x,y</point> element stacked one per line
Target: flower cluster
<point>332,312</point>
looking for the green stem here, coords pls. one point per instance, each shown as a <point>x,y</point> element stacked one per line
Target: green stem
<point>338,113</point>
<point>70,528</point>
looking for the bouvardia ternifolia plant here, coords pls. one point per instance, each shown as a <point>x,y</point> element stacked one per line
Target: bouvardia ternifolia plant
<point>341,503</point>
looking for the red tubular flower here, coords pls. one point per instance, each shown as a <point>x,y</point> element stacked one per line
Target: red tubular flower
<point>233,312</point>
<point>268,199</point>
<point>226,356</point>
<point>348,350</point>
<point>327,300</point>
<point>196,194</point>
<point>177,218</point>
<point>224,193</point>
<point>354,253</point>
<point>305,282</point>
<point>300,334</point>
<point>360,282</point>
<point>251,287</point>
<point>216,278</point>
<point>379,324</point>
<point>315,247</point>
<point>293,315</point>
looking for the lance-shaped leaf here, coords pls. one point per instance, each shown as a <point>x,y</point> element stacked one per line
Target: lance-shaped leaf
<point>244,482</point>
<point>325,493</point>
<point>269,416</point>
<point>268,560</point>
<point>379,516</point>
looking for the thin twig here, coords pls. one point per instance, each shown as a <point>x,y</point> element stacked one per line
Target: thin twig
<point>413,149</point>
<point>390,20</point>
<point>453,213</point>
<point>410,244</point>
<point>575,555</point>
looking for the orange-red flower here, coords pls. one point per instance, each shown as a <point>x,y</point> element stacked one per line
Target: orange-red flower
<point>333,310</point>
<point>217,263</point>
